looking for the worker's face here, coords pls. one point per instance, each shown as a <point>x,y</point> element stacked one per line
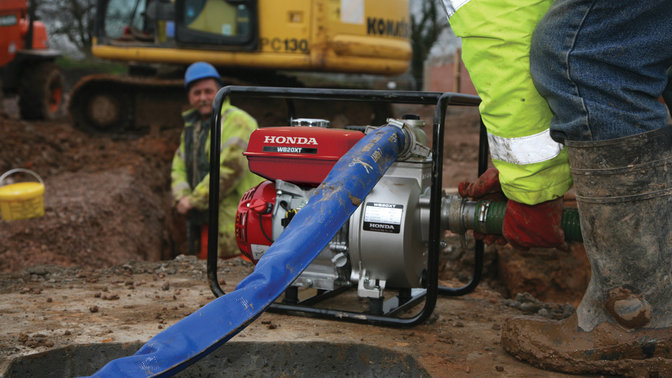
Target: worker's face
<point>201,95</point>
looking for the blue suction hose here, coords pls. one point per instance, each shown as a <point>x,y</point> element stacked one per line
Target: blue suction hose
<point>200,333</point>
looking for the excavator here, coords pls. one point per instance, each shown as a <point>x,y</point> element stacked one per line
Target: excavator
<point>251,42</point>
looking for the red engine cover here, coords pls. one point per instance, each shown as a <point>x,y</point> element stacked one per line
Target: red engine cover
<point>300,155</point>
<point>254,220</point>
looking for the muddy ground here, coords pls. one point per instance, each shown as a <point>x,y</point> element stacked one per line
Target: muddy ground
<point>106,262</point>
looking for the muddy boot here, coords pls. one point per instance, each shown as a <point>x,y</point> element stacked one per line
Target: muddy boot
<point>623,324</point>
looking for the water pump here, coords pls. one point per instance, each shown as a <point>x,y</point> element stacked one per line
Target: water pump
<point>383,245</point>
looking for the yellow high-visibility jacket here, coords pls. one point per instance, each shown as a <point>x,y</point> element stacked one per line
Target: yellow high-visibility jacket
<point>496,37</point>
<point>234,173</point>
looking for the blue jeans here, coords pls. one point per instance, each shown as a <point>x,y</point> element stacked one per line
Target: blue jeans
<point>601,65</point>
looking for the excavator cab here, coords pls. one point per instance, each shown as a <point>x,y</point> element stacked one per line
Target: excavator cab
<point>221,24</point>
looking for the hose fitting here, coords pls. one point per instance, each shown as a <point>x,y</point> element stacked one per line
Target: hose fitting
<point>413,148</point>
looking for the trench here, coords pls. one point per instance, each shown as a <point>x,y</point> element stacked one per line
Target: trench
<point>236,359</point>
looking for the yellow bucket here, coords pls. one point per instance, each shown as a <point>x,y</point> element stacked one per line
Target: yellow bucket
<point>21,200</point>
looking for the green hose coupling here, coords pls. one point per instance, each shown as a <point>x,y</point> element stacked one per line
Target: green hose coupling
<point>487,217</point>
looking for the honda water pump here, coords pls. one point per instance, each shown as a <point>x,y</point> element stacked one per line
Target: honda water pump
<point>383,245</point>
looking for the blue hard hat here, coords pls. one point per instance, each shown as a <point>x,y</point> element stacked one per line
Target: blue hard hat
<point>198,71</point>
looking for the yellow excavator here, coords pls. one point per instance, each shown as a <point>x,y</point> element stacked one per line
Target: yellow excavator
<point>250,41</point>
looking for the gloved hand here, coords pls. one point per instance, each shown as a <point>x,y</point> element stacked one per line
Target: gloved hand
<point>184,205</point>
<point>537,225</point>
<point>524,226</point>
<point>486,187</point>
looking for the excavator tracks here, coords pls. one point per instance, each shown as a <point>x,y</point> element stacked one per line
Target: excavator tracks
<point>127,106</point>
<point>108,104</point>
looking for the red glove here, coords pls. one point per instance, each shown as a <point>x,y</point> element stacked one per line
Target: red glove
<point>537,225</point>
<point>486,187</point>
<point>524,226</point>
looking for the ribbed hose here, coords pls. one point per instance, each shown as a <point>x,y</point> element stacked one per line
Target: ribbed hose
<point>193,337</point>
<point>493,212</point>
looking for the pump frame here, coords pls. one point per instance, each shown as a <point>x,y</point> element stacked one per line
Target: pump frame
<point>405,299</point>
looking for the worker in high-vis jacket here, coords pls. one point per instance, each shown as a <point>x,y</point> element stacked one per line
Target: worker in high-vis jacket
<point>570,94</point>
<point>190,179</point>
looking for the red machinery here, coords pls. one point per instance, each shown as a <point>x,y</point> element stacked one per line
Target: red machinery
<point>302,156</point>
<point>27,63</point>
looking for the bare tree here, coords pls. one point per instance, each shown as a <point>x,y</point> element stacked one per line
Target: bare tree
<point>69,19</point>
<point>425,30</point>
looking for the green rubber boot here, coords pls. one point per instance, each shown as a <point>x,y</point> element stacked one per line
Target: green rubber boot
<point>623,324</point>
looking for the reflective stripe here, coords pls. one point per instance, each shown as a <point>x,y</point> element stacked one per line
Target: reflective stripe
<point>530,149</point>
<point>181,187</point>
<point>452,6</point>
<point>240,142</point>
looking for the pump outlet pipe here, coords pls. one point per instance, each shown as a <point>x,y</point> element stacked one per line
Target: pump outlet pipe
<point>334,201</point>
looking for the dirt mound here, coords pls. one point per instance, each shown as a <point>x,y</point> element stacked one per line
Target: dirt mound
<point>106,201</point>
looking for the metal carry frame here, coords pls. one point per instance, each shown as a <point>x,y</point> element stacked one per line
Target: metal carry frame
<point>403,300</point>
